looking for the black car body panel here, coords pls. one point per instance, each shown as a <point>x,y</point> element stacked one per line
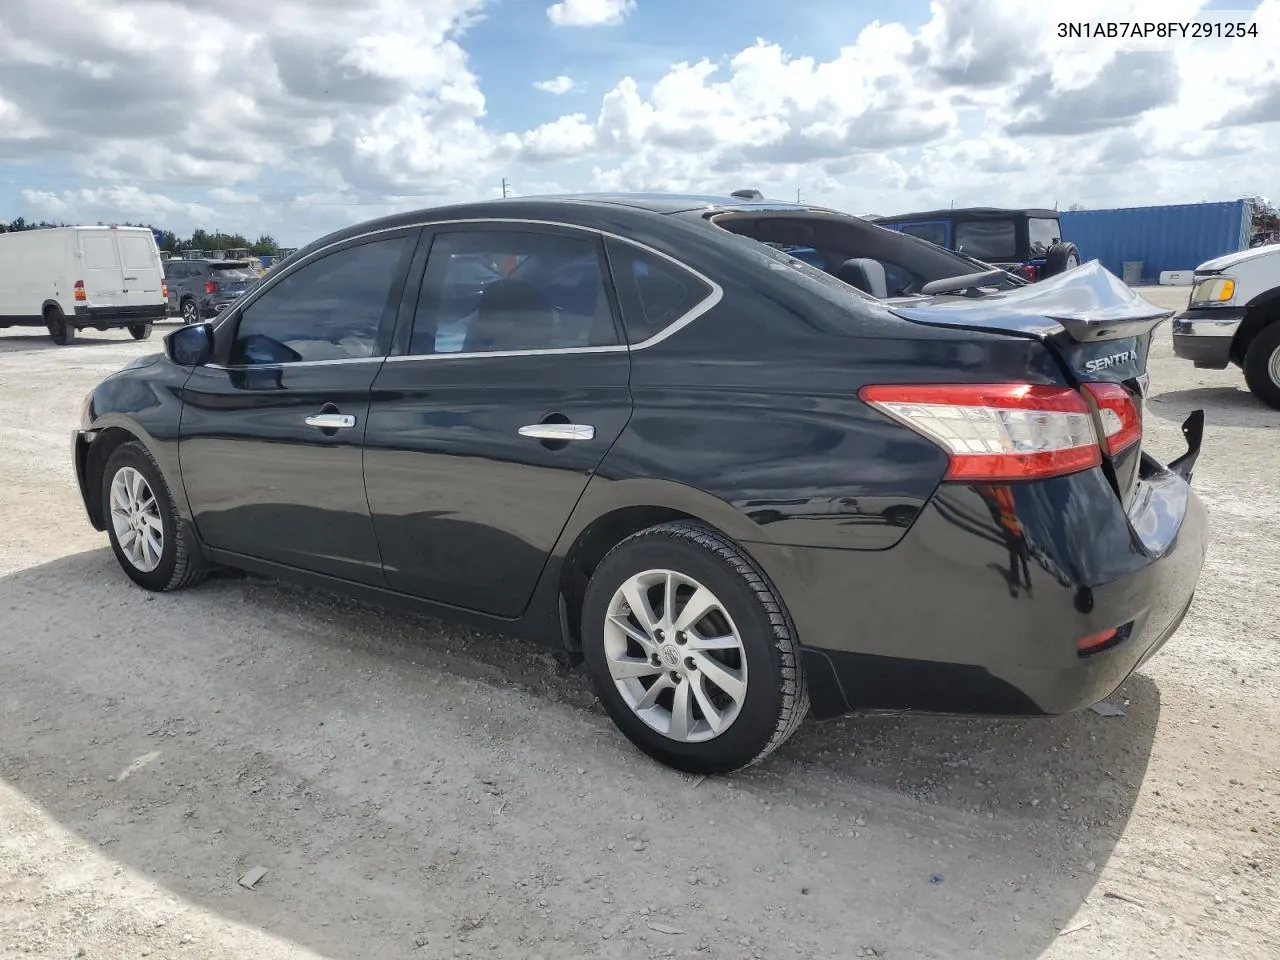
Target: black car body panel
<point>908,590</point>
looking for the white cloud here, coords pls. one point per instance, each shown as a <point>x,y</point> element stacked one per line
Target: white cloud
<point>589,13</point>
<point>556,85</point>
<point>110,204</point>
<point>308,121</point>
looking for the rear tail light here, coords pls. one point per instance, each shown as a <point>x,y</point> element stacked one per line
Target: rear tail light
<point>164,289</point>
<point>210,286</point>
<point>997,431</point>
<point>1031,272</point>
<point>1121,424</point>
<point>79,291</point>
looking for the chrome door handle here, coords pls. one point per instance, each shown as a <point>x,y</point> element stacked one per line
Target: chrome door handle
<point>559,431</point>
<point>331,421</point>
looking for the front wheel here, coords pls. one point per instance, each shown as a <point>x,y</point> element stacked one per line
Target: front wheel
<point>1262,365</point>
<point>152,544</point>
<point>690,650</point>
<point>140,331</point>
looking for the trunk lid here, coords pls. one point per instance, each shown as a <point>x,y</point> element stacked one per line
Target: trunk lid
<point>1094,324</point>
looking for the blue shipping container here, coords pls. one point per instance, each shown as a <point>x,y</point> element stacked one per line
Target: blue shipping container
<point>1179,237</point>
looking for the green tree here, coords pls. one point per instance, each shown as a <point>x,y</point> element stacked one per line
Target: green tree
<point>265,247</point>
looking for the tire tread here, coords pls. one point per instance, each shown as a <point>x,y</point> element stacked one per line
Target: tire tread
<point>795,692</point>
<point>190,566</point>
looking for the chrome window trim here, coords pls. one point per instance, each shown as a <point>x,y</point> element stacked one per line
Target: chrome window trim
<point>297,363</point>
<point>707,303</point>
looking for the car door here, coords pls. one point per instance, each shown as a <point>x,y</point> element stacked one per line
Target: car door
<point>100,264</point>
<point>142,271</point>
<point>498,403</point>
<point>272,434</point>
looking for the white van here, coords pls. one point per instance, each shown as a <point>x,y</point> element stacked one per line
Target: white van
<point>68,278</point>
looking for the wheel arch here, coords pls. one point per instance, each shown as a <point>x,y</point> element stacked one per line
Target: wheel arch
<point>1262,311</point>
<point>611,511</point>
<point>105,443</point>
<point>51,304</point>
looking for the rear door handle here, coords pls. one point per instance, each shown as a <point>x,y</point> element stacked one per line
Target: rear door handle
<point>558,431</point>
<point>331,421</point>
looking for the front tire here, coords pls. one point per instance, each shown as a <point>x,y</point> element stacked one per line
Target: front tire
<point>690,650</point>
<point>1262,365</point>
<point>152,544</point>
<point>140,331</point>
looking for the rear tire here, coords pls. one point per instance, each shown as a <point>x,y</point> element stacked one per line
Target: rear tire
<point>140,331</point>
<point>737,688</point>
<point>190,311</point>
<point>1060,258</point>
<point>60,329</point>
<point>153,545</point>
<point>1262,365</point>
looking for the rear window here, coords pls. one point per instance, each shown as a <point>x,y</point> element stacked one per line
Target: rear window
<point>933,232</point>
<point>232,272</point>
<point>138,253</point>
<point>1043,233</point>
<point>99,253</point>
<point>987,239</point>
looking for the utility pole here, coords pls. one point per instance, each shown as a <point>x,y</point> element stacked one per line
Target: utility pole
<point>504,187</point>
<point>797,194</point>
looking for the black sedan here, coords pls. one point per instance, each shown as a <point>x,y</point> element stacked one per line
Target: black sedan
<point>747,459</point>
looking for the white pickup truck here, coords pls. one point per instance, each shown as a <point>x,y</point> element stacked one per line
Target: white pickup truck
<point>1233,316</point>
<point>70,278</point>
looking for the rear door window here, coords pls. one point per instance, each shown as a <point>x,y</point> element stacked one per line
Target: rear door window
<point>654,292</point>
<point>1043,233</point>
<point>499,291</point>
<point>987,239</point>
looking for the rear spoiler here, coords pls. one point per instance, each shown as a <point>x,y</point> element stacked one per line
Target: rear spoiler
<point>1089,302</point>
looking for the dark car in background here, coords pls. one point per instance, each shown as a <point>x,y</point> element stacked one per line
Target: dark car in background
<point>632,428</point>
<point>1027,242</point>
<point>205,288</point>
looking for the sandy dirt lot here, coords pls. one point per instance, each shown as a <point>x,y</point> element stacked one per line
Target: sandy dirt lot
<point>419,791</point>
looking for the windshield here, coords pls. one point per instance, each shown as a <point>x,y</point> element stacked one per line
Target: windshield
<point>988,239</point>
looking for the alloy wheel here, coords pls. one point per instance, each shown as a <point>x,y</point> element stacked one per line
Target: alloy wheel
<point>189,314</point>
<point>1273,366</point>
<point>675,655</point>
<point>135,518</point>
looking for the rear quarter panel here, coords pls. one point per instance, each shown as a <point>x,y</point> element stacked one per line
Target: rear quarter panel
<point>771,425</point>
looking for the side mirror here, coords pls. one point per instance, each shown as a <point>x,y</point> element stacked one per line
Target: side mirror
<point>190,346</point>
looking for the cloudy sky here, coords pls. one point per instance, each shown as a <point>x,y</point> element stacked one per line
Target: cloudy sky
<point>297,116</point>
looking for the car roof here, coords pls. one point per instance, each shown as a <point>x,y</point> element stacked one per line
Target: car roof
<point>969,213</point>
<point>617,209</point>
<point>667,203</point>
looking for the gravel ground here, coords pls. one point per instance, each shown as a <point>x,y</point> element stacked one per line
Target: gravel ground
<point>416,790</point>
